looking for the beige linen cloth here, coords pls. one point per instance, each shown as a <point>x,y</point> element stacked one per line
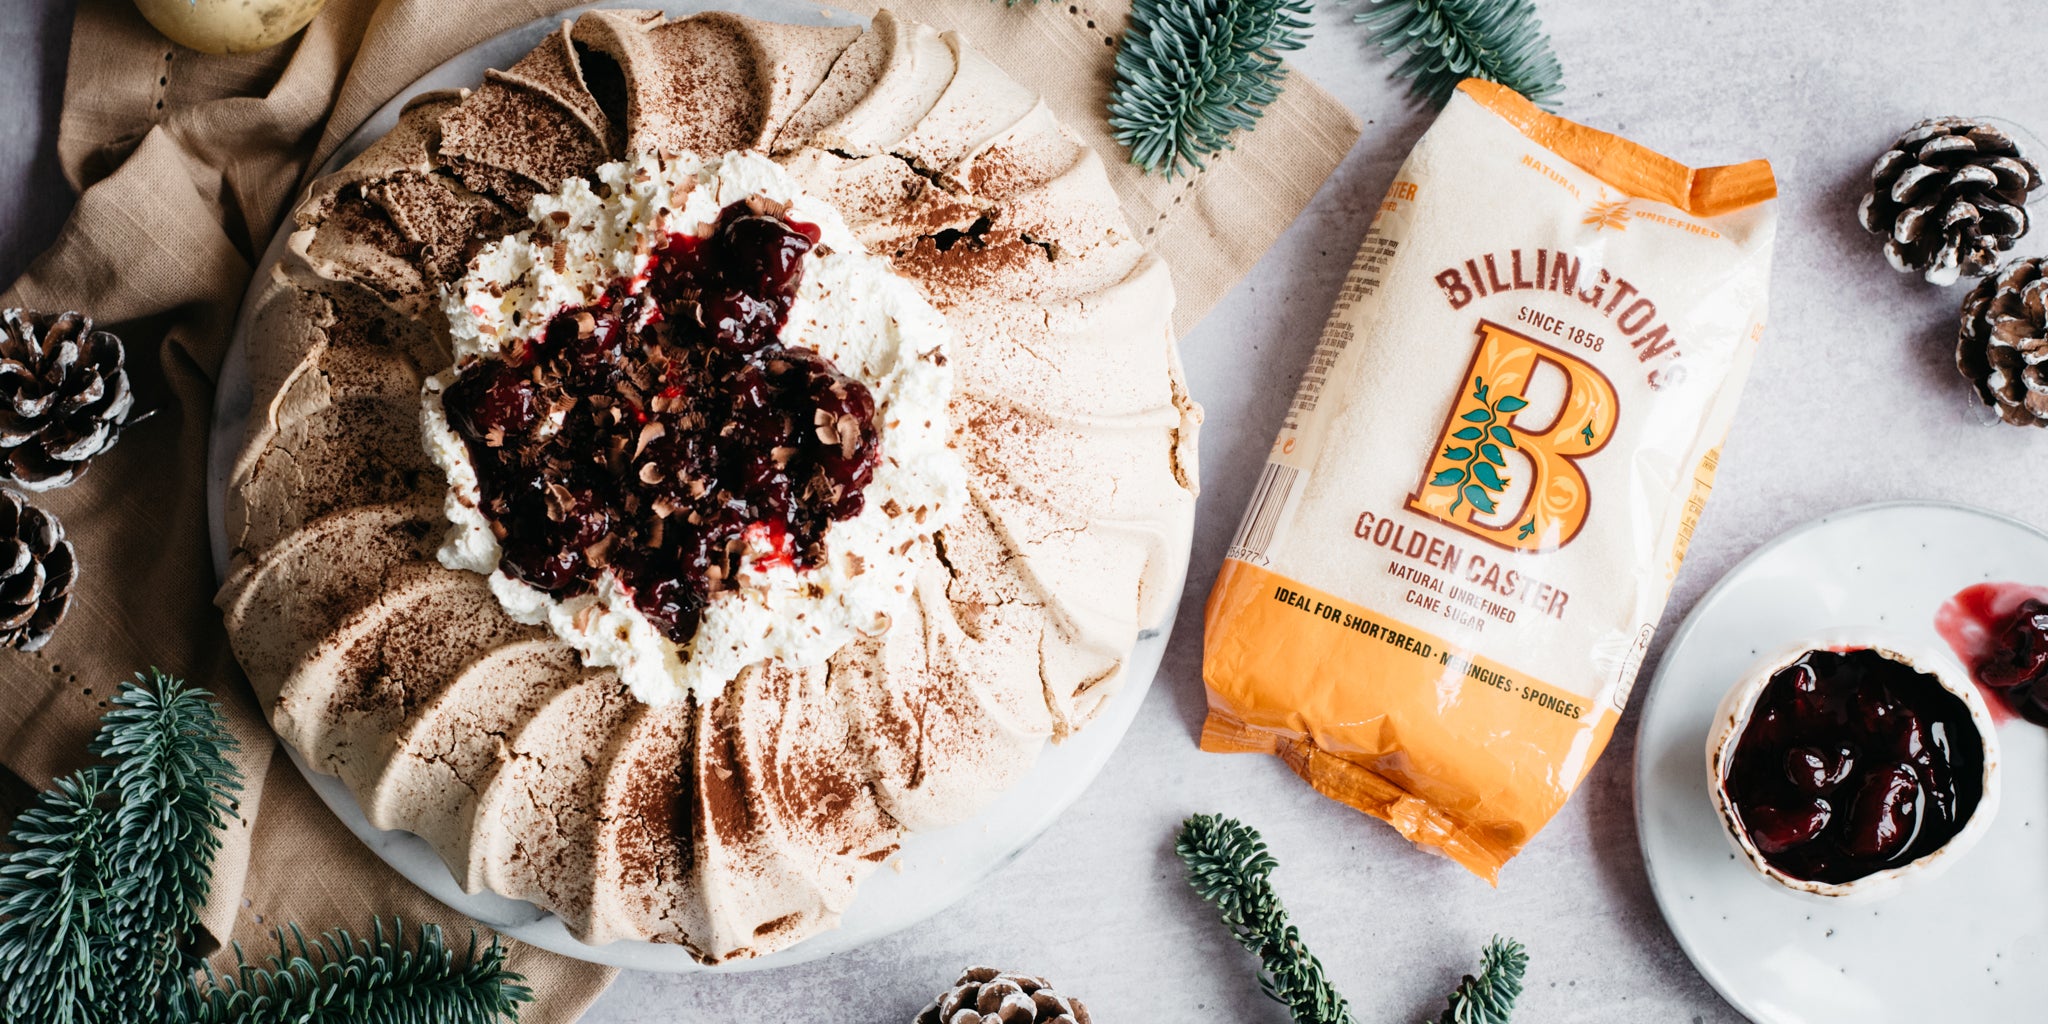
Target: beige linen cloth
<point>185,164</point>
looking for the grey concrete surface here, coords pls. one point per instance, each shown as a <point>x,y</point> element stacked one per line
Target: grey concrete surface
<point>1854,399</point>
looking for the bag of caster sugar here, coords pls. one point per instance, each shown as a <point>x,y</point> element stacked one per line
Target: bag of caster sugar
<point>1437,601</point>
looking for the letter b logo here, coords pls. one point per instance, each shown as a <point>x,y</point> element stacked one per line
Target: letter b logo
<point>1506,467</point>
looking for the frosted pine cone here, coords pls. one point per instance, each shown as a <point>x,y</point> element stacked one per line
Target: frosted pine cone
<point>64,396</point>
<point>37,571</point>
<point>1949,196</point>
<point>984,995</point>
<point>2003,348</point>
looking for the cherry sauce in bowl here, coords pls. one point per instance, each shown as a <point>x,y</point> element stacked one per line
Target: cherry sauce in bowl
<point>1844,769</point>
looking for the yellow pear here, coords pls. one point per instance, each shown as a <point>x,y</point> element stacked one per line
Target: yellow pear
<point>229,26</point>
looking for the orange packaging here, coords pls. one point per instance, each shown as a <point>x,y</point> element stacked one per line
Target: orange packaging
<point>1453,562</point>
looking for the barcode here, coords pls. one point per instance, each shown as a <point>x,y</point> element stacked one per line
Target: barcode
<point>1262,516</point>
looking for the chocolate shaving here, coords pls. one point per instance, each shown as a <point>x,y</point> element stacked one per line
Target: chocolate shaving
<point>849,434</point>
<point>559,500</point>
<point>653,431</point>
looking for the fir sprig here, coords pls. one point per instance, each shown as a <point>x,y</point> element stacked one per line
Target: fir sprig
<point>1190,73</point>
<point>168,746</point>
<point>53,902</point>
<point>100,896</point>
<point>1490,997</point>
<point>1228,865</point>
<point>112,864</point>
<point>1447,41</point>
<point>341,979</point>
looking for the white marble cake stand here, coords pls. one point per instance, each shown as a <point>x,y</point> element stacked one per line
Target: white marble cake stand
<point>937,868</point>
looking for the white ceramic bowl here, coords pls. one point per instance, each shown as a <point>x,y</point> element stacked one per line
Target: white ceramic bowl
<point>1734,713</point>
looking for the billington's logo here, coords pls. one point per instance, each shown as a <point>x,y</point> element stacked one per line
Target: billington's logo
<point>1506,468</point>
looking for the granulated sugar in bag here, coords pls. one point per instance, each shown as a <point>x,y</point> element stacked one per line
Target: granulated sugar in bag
<point>1453,562</point>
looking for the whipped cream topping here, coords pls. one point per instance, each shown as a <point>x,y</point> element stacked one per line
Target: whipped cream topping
<point>850,308</point>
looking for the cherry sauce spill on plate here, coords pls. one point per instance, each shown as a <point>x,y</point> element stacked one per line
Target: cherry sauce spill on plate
<point>2000,630</point>
<point>666,435</point>
<point>1852,763</point>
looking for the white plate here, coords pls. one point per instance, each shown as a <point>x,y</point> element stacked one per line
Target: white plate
<point>937,868</point>
<point>1970,945</point>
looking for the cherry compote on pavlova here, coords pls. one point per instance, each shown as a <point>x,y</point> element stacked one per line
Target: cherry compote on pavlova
<point>692,425</point>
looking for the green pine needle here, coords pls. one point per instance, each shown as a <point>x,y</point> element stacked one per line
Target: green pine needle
<point>111,865</point>
<point>169,746</point>
<point>100,896</point>
<point>52,903</point>
<point>340,979</point>
<point>1228,865</point>
<point>1190,73</point>
<point>1490,997</point>
<point>1447,41</point>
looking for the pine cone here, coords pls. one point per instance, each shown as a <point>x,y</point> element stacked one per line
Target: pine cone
<point>2004,342</point>
<point>64,396</point>
<point>1950,195</point>
<point>37,571</point>
<point>984,995</point>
